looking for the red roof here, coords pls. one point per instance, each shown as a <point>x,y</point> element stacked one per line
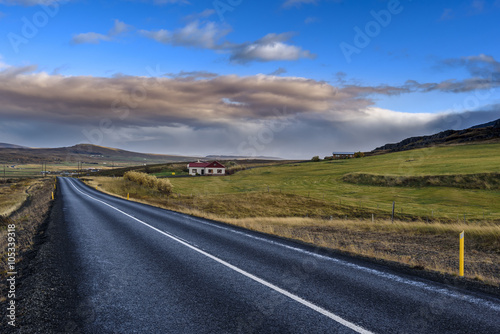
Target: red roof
<point>213,164</point>
<point>199,164</point>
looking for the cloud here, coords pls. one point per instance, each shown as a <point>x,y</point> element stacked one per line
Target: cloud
<point>206,13</point>
<point>448,14</point>
<point>198,112</point>
<point>477,7</point>
<point>89,38</point>
<point>311,19</point>
<point>119,28</point>
<point>195,34</point>
<point>210,35</point>
<point>279,71</point>
<point>298,3</point>
<point>483,69</point>
<point>272,47</point>
<point>192,75</point>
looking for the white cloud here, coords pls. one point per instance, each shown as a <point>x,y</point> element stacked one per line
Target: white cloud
<point>272,47</point>
<point>206,13</point>
<point>119,28</point>
<point>205,35</point>
<point>89,38</point>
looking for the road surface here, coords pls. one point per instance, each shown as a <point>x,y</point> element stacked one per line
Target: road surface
<point>142,269</point>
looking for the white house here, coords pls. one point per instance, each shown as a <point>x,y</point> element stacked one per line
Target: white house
<point>206,168</point>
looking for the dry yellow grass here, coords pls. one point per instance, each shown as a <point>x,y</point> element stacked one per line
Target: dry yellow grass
<point>431,246</point>
<point>13,195</point>
<point>27,221</point>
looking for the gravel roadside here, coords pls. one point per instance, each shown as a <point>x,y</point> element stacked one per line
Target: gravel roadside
<point>46,299</point>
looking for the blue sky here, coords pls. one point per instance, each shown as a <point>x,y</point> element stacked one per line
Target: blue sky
<point>289,78</point>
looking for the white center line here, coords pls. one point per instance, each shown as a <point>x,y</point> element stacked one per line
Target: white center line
<point>298,299</point>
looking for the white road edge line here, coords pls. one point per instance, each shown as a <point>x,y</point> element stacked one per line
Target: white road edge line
<point>298,299</point>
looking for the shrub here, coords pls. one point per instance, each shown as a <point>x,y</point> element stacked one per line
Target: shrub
<point>315,158</point>
<point>149,181</point>
<point>359,154</point>
<point>164,186</point>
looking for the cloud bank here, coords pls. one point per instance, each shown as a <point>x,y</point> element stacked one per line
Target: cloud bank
<point>204,113</point>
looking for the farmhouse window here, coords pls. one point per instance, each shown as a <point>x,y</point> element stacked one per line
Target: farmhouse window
<point>219,171</point>
<point>210,171</point>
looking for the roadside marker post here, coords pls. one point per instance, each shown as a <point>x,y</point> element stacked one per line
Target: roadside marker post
<point>128,196</point>
<point>462,251</point>
<point>52,195</point>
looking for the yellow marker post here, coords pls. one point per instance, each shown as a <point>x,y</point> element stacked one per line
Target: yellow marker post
<point>52,195</point>
<point>128,196</point>
<point>461,271</point>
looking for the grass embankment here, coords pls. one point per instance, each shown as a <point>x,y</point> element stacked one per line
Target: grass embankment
<point>31,200</point>
<point>490,181</point>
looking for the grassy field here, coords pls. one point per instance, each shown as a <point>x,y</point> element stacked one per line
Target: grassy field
<point>311,202</point>
<point>324,181</point>
<point>13,170</point>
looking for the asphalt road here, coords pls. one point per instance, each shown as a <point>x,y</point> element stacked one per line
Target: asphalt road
<point>141,269</point>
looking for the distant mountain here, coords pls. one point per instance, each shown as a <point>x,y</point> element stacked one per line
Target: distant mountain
<point>84,152</point>
<point>239,157</point>
<point>488,132</point>
<point>5,145</point>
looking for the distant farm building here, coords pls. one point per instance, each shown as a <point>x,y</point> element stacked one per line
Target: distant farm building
<point>206,168</point>
<point>343,155</point>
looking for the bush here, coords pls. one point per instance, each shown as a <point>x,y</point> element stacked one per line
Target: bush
<point>164,186</point>
<point>359,154</point>
<point>328,158</point>
<point>315,158</point>
<point>149,181</point>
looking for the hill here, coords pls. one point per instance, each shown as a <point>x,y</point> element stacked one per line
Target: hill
<point>83,152</point>
<point>5,145</point>
<point>489,132</point>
